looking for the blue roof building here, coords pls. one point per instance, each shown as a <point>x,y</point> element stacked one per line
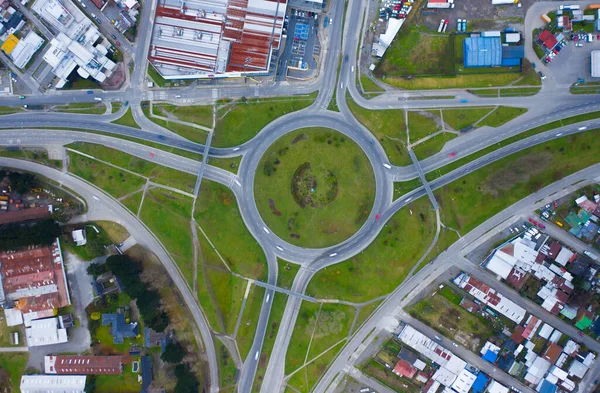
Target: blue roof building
<point>146,373</point>
<point>120,330</point>
<point>490,356</point>
<point>547,387</point>
<point>480,383</point>
<point>512,55</point>
<point>482,52</point>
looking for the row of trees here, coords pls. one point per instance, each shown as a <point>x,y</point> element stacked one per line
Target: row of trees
<point>186,379</point>
<point>17,235</point>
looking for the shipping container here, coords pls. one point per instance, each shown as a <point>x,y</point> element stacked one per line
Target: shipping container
<point>594,6</point>
<point>439,5</point>
<point>546,18</point>
<point>441,26</point>
<point>499,2</point>
<point>3,198</point>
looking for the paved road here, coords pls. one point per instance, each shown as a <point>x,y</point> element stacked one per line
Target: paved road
<point>102,207</point>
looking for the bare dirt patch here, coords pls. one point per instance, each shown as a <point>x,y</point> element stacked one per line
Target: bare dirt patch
<point>518,171</point>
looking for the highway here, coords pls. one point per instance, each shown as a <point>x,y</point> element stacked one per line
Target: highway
<point>20,129</point>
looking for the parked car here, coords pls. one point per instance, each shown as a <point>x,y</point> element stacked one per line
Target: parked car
<point>542,76</point>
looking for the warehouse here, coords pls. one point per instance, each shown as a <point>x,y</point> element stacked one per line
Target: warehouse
<point>595,56</point>
<point>482,52</point>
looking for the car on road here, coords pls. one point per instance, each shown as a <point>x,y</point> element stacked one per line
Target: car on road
<point>126,103</point>
<point>113,36</point>
<point>377,216</point>
<point>581,334</point>
<point>22,97</point>
<point>542,76</point>
<point>455,345</point>
<point>90,92</point>
<point>118,43</point>
<point>333,254</point>
<point>438,338</point>
<point>451,154</point>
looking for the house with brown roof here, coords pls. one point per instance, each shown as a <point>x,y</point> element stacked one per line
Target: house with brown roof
<point>552,353</point>
<point>404,369</point>
<point>83,365</point>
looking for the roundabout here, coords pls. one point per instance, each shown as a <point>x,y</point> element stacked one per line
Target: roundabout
<point>314,187</point>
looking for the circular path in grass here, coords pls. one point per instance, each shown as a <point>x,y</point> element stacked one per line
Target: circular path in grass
<point>314,187</point>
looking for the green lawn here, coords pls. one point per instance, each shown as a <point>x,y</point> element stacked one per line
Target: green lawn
<point>279,301</point>
<point>207,261</point>
<point>369,86</point>
<point>454,322</point>
<point>127,382</point>
<point>94,246</point>
<point>241,121</point>
<point>502,115</point>
<point>199,114</point>
<point>384,264</point>
<point>156,77</point>
<point>7,110</point>
<point>90,108</point>
<point>115,106</point>
<point>530,76</point>
<point>446,239</point>
<point>156,173</point>
<point>389,127</point>
<point>401,188</point>
<point>325,323</point>
<point>546,127</point>
<point>420,126</point>
<point>414,53</point>
<point>192,133</point>
<point>132,202</point>
<point>229,164</point>
<point>6,331</point>
<point>333,182</point>
<point>463,118</point>
<point>14,363</point>
<point>477,196</point>
<point>32,155</point>
<point>112,180</point>
<point>114,231</point>
<point>127,120</point>
<point>168,215</point>
<point>228,293</point>
<point>106,340</point>
<point>433,145</point>
<point>378,371</point>
<point>227,369</point>
<point>245,336</point>
<point>459,81</point>
<point>218,215</point>
<point>286,273</point>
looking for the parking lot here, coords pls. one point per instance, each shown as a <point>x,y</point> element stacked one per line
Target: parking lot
<point>301,45</point>
<point>570,64</point>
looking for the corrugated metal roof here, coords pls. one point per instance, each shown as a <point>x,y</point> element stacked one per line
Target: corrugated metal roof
<point>482,51</point>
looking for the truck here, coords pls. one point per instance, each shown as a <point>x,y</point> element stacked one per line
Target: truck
<point>546,18</point>
<point>459,25</point>
<point>3,198</point>
<point>445,26</point>
<point>440,5</point>
<point>594,6</point>
<point>569,7</point>
<point>590,255</point>
<point>441,26</point>
<point>499,2</point>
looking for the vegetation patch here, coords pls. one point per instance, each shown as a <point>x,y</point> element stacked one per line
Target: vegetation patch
<point>433,145</point>
<point>127,120</point>
<point>12,366</point>
<point>314,187</point>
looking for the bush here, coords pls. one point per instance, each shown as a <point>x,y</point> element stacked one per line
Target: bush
<point>173,353</point>
<point>186,380</point>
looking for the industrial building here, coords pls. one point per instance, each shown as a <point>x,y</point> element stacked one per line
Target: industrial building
<point>487,50</point>
<point>224,38</point>
<point>24,49</point>
<point>46,331</point>
<point>53,383</point>
<point>33,284</point>
<point>78,45</point>
<point>83,365</point>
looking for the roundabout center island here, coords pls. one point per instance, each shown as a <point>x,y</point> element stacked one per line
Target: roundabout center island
<point>314,187</point>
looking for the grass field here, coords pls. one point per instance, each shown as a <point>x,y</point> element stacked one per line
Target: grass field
<point>477,196</point>
<point>325,324</point>
<point>7,110</point>
<point>463,118</point>
<point>156,173</point>
<point>444,315</point>
<point>126,382</point>
<point>115,106</point>
<point>127,120</point>
<point>249,320</point>
<point>239,122</point>
<point>418,51</point>
<point>227,369</point>
<point>218,215</point>
<point>229,164</point>
<point>446,239</point>
<point>192,133</point>
<point>546,127</point>
<point>420,126</point>
<point>432,145</point>
<point>168,215</point>
<point>201,115</point>
<point>114,231</point>
<point>228,293</point>
<point>30,154</point>
<point>14,363</point>
<point>459,81</point>
<point>112,180</point>
<point>333,180</point>
<point>90,108</point>
<point>502,115</point>
<point>208,260</point>
<point>389,127</point>
<point>384,264</point>
<point>286,273</point>
<point>386,377</point>
<point>369,86</point>
<point>277,308</point>
<point>132,202</point>
<point>401,188</point>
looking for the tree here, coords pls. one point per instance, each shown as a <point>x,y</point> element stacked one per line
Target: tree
<point>173,353</point>
<point>96,269</point>
<point>186,380</point>
<point>96,315</point>
<point>21,182</point>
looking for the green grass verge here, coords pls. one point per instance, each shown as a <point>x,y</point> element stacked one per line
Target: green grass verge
<point>90,108</point>
<point>459,81</point>
<point>218,215</point>
<point>277,309</point>
<point>479,195</point>
<point>502,115</point>
<point>191,133</point>
<point>227,369</point>
<point>384,264</point>
<point>156,77</point>
<point>241,121</point>
<point>420,126</point>
<point>433,145</point>
<point>446,239</point>
<point>168,215</point>
<point>546,127</point>
<point>126,382</point>
<point>228,294</point>
<point>229,164</point>
<point>127,120</point>
<point>199,114</point>
<point>325,323</point>
<point>369,86</point>
<point>7,110</point>
<point>156,173</point>
<point>247,330</point>
<point>31,155</point>
<point>14,363</point>
<point>207,260</point>
<point>389,127</point>
<point>116,106</point>
<point>336,204</point>
<point>463,118</point>
<point>132,202</point>
<point>115,232</point>
<point>401,188</point>
<point>286,273</point>
<point>114,181</point>
<point>365,312</point>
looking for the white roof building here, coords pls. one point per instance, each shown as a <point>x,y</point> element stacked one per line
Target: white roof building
<point>79,237</point>
<point>25,49</point>
<point>577,369</point>
<point>495,387</point>
<point>537,370</point>
<point>563,256</point>
<point>595,67</point>
<point>546,331</point>
<point>444,376</point>
<point>46,332</point>
<point>463,383</point>
<point>385,39</point>
<point>13,316</point>
<point>52,383</point>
